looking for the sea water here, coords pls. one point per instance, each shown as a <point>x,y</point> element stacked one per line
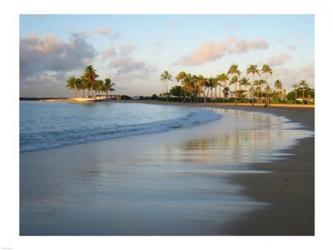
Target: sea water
<point>45,125</point>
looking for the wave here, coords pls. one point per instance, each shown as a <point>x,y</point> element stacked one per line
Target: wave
<point>55,139</point>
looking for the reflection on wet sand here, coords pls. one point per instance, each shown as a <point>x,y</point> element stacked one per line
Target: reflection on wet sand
<point>243,137</point>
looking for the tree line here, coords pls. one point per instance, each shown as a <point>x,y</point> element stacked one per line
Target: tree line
<point>88,83</point>
<point>253,87</point>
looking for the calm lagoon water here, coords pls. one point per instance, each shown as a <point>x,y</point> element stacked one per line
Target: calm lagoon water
<point>170,174</point>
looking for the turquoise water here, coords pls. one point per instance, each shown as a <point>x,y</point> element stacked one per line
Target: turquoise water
<point>46,125</point>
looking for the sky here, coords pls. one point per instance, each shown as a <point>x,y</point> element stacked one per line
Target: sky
<point>135,49</point>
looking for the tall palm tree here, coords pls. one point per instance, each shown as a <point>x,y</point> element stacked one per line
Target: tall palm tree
<point>235,73</point>
<point>201,83</point>
<point>223,79</point>
<point>71,84</point>
<point>212,83</point>
<point>89,77</point>
<point>244,82</point>
<point>78,85</point>
<point>198,84</point>
<point>257,87</point>
<point>111,88</point>
<point>267,71</point>
<point>278,87</point>
<point>109,85</point>
<point>234,81</point>
<point>98,86</point>
<point>268,92</point>
<point>259,83</point>
<point>226,92</point>
<point>187,82</point>
<point>303,85</point>
<point>165,77</point>
<point>295,87</point>
<point>253,69</point>
<point>181,76</point>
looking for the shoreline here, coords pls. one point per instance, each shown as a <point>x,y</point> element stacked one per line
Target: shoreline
<point>220,104</point>
<point>291,112</point>
<point>69,99</point>
<point>241,106</point>
<point>289,187</point>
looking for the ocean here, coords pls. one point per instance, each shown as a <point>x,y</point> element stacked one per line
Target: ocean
<point>45,125</point>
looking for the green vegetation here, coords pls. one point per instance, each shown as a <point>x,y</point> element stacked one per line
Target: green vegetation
<point>89,85</point>
<point>230,87</point>
<point>255,86</point>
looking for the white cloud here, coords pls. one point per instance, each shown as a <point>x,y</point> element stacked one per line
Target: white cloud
<point>279,59</point>
<point>129,68</point>
<point>211,51</point>
<point>127,49</point>
<point>108,53</point>
<point>47,53</point>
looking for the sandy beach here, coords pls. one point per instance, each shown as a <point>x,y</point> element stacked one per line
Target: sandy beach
<point>193,181</point>
<point>289,187</point>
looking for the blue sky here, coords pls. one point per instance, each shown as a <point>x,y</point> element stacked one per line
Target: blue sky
<point>135,49</point>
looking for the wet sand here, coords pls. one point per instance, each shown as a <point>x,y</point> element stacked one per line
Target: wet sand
<point>289,187</point>
<point>205,180</point>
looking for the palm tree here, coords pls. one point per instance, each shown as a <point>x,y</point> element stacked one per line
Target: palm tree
<point>89,81</point>
<point>165,77</point>
<point>266,70</point>
<point>268,91</point>
<point>234,72</point>
<point>198,84</point>
<point>295,87</point>
<point>259,84</point>
<point>201,83</point>
<point>71,83</point>
<point>278,87</point>
<point>244,82</point>
<point>224,79</point>
<point>186,81</point>
<point>303,85</point>
<point>181,76</point>
<point>109,85</point>
<point>98,86</point>
<point>234,81</point>
<point>257,87</point>
<point>212,83</point>
<point>111,88</point>
<point>78,85</point>
<point>89,77</point>
<point>226,92</point>
<point>253,69</point>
